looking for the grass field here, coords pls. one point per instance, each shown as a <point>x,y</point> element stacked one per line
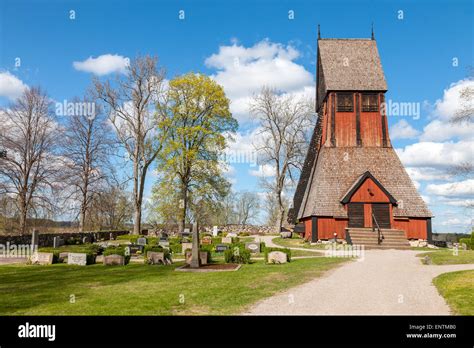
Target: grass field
<point>146,290</point>
<point>448,257</point>
<point>458,290</point>
<point>296,243</point>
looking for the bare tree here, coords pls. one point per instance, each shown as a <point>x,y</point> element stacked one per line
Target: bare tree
<point>465,110</point>
<point>248,204</point>
<point>87,148</point>
<point>29,134</point>
<point>130,103</point>
<point>284,121</point>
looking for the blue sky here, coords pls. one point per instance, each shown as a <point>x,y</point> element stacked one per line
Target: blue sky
<point>417,47</point>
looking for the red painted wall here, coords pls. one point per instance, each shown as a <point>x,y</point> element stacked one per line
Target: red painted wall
<point>414,227</point>
<point>369,192</point>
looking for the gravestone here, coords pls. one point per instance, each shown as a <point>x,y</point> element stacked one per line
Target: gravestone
<point>77,259</point>
<point>111,260</point>
<point>206,240</point>
<point>195,259</point>
<point>42,258</point>
<point>111,236</point>
<point>277,257</point>
<point>63,256</point>
<point>164,244</point>
<point>155,257</point>
<point>220,248</point>
<point>142,241</point>
<point>227,240</point>
<point>57,242</point>
<point>35,240</point>
<point>99,259</point>
<point>86,240</point>
<point>254,247</point>
<point>185,233</point>
<point>202,257</point>
<point>232,234</point>
<point>285,234</point>
<point>215,231</point>
<point>186,246</point>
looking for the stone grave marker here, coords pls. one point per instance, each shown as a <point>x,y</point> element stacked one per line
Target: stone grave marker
<point>63,256</point>
<point>285,234</point>
<point>99,259</point>
<point>57,242</point>
<point>142,241</point>
<point>220,248</point>
<point>254,247</point>
<point>186,246</point>
<point>202,256</point>
<point>277,257</point>
<point>206,240</point>
<point>155,258</point>
<point>86,240</point>
<point>111,260</point>
<point>77,259</point>
<point>232,234</point>
<point>42,258</point>
<point>111,236</point>
<point>227,240</point>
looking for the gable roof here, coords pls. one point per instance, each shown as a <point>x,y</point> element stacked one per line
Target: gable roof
<point>360,180</point>
<point>337,168</point>
<point>349,65</point>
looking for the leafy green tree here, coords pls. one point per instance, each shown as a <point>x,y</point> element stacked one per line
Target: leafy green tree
<point>201,125</point>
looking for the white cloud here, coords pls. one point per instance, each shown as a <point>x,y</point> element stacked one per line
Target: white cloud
<point>244,70</point>
<point>456,222</point>
<point>403,130</point>
<point>455,189</point>
<point>446,107</point>
<point>103,65</point>
<point>263,171</point>
<point>431,154</point>
<point>11,86</point>
<point>440,129</point>
<point>426,174</point>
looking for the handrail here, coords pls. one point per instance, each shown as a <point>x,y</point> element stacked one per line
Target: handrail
<point>380,236</point>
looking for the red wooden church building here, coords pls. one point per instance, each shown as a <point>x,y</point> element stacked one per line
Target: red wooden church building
<point>352,179</point>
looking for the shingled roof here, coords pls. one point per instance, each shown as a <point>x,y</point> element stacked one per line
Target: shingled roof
<point>336,170</point>
<point>349,65</point>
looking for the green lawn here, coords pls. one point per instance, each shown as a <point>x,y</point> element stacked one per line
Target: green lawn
<point>296,243</point>
<point>447,257</point>
<point>458,290</point>
<point>138,289</point>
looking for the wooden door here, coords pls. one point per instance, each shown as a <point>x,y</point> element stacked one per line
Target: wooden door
<point>381,212</point>
<point>355,212</point>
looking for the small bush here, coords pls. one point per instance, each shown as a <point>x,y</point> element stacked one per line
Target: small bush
<point>244,234</point>
<point>284,250</point>
<point>237,255</point>
<point>468,241</point>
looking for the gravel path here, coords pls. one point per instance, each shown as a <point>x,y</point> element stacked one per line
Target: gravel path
<point>269,243</point>
<point>384,282</point>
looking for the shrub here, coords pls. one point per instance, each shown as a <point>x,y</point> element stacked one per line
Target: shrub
<point>244,234</point>
<point>468,241</point>
<point>284,250</point>
<point>176,248</point>
<point>117,250</point>
<point>237,255</point>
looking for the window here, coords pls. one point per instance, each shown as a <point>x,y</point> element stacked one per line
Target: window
<point>370,102</point>
<point>345,102</point>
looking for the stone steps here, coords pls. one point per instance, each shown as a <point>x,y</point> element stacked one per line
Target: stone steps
<point>393,239</point>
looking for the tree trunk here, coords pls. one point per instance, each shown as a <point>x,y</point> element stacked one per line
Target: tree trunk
<point>280,215</point>
<point>23,213</point>
<point>138,204</point>
<point>182,217</point>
